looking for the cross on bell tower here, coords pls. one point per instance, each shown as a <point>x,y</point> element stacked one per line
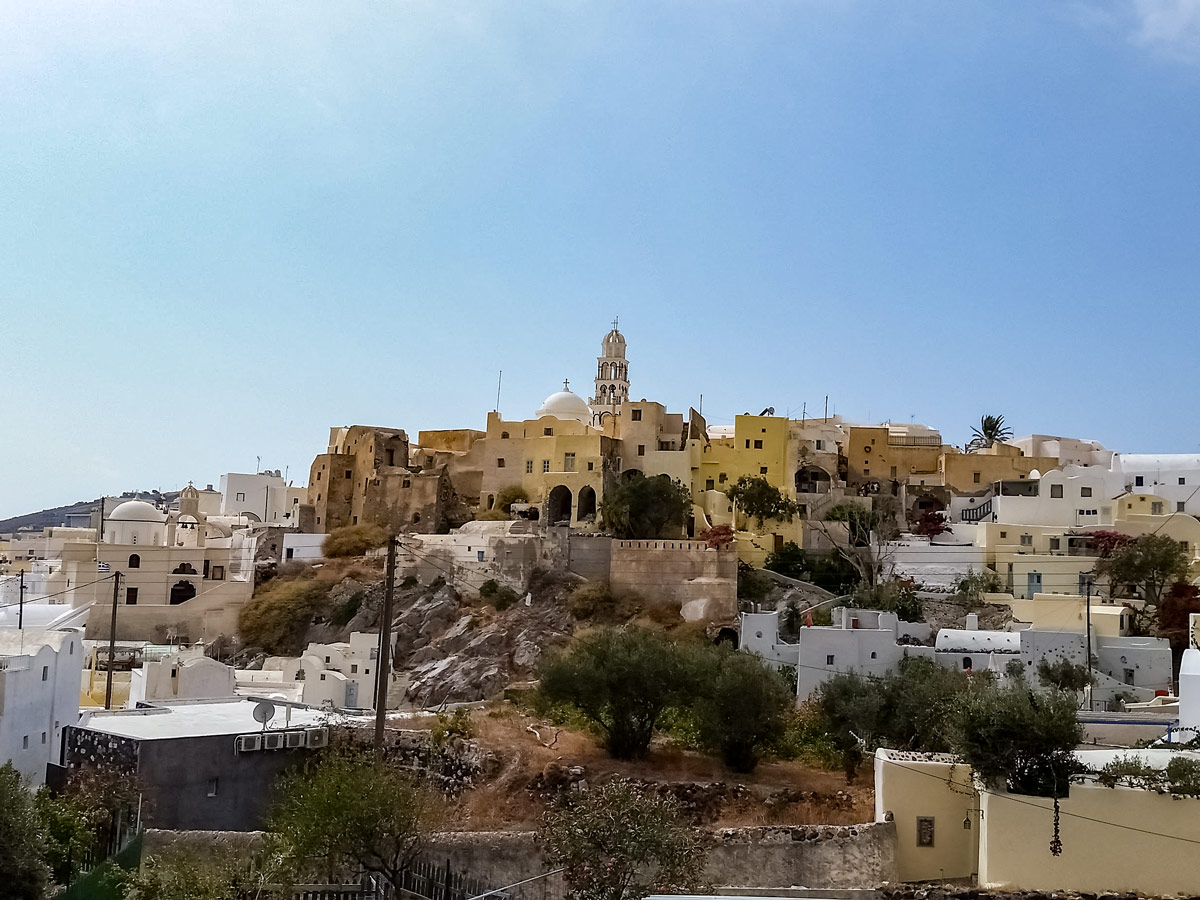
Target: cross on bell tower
<point>612,374</point>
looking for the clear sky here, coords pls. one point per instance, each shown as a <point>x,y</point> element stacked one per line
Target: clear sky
<point>225,227</point>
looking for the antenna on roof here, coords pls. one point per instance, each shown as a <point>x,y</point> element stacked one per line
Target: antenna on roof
<point>499,380</point>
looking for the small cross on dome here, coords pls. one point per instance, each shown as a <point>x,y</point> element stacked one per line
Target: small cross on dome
<point>566,385</point>
<point>616,320</point>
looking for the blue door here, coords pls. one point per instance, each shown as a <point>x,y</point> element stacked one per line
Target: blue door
<point>1035,584</point>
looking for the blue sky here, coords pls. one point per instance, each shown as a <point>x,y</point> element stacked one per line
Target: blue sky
<point>225,227</point>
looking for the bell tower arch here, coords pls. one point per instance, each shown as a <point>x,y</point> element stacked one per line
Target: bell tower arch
<point>612,375</point>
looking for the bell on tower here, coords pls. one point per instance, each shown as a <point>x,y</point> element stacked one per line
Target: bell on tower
<point>612,375</point>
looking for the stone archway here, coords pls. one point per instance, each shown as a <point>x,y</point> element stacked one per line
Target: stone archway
<point>558,506</point>
<point>587,503</point>
<point>812,480</point>
<point>182,592</point>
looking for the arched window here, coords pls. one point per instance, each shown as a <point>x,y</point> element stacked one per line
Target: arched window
<point>603,389</point>
<point>416,518</point>
<point>504,435</point>
<point>967,663</point>
<point>135,561</point>
<point>612,388</point>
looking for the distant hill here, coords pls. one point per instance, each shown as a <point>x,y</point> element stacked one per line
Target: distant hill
<point>48,518</point>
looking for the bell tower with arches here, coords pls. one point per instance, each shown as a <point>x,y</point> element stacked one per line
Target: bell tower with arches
<point>612,375</point>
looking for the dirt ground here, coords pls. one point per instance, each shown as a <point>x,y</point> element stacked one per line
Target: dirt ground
<point>814,795</point>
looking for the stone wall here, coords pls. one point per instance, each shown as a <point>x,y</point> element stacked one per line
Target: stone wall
<point>590,555</point>
<point>825,856</point>
<point>701,579</point>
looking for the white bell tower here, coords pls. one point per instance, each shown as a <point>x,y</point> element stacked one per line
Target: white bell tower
<point>612,375</point>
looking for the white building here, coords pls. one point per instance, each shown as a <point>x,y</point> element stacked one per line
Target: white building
<point>39,696</point>
<point>185,675</point>
<point>264,497</point>
<point>340,675</point>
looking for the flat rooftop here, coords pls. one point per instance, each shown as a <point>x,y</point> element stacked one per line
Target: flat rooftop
<point>202,718</point>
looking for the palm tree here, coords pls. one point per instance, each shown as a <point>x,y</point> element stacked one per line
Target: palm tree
<point>991,430</point>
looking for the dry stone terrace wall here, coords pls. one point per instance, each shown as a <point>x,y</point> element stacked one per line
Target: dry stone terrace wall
<point>828,856</point>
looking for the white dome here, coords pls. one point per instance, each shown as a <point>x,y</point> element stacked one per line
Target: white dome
<point>136,511</point>
<point>566,404</point>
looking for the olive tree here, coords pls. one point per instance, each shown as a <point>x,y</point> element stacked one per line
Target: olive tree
<point>617,842</point>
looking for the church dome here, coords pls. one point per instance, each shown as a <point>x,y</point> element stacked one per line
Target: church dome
<point>136,511</point>
<point>566,404</point>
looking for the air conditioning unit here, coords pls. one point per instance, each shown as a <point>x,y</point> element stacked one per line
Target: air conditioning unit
<point>317,738</point>
<point>247,743</point>
<point>273,740</point>
<point>295,739</point>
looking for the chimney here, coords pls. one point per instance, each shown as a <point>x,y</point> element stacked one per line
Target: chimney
<point>972,622</point>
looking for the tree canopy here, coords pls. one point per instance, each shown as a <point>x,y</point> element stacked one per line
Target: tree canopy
<point>761,500</point>
<point>23,873</point>
<point>617,842</point>
<point>345,808</point>
<point>641,508</point>
<point>621,681</point>
<point>991,430</point>
<point>1147,566</point>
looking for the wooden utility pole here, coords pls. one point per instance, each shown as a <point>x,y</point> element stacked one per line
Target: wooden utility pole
<point>383,665</point>
<point>21,603</point>
<point>112,642</point>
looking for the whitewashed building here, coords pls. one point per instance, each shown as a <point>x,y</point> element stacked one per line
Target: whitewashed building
<point>39,696</point>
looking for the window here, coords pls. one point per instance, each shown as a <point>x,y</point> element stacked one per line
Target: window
<point>1085,492</point>
<point>43,737</point>
<point>504,435</point>
<point>866,471</point>
<point>747,444</point>
<point>355,518</point>
<point>591,466</point>
<point>1056,491</point>
<point>1183,481</point>
<point>322,676</point>
<point>545,465</point>
<point>820,445</point>
<point>1179,505</point>
<point>239,496</point>
<point>758,445</point>
<point>45,673</point>
<point>349,473</point>
<point>866,449</point>
<point>568,462</point>
<point>1055,543</point>
<point>967,663</point>
<point>529,467</point>
<point>500,463</point>
<point>135,561</point>
<point>478,556</point>
<point>829,660</point>
<point>218,573</point>
<point>641,449</point>
<point>976,477</point>
<point>213,785</point>
<point>1027,540</point>
<point>636,415</point>
<point>318,476</point>
<point>802,510</point>
<point>25,742</point>
<point>1004,534</point>
<point>354,669</point>
<point>1139,480</point>
<point>762,470</point>
<point>893,471</point>
<point>547,431</point>
<point>710,485</point>
<point>722,478</point>
<point>288,553</point>
<point>407,482</point>
<point>131,596</point>
<point>174,673</point>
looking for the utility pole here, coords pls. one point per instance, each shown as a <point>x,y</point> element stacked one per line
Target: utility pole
<point>1087,580</point>
<point>112,642</point>
<point>21,604</point>
<point>383,665</point>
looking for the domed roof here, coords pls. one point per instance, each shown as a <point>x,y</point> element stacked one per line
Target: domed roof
<point>136,511</point>
<point>614,337</point>
<point>566,404</point>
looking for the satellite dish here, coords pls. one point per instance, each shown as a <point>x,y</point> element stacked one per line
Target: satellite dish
<point>264,711</point>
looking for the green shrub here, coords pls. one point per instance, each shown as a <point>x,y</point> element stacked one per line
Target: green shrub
<point>410,581</point>
<point>752,585</point>
<point>493,593</point>
<point>594,601</point>
<point>741,706</point>
<point>621,681</point>
<point>507,496</point>
<point>449,725</point>
<point>278,618</point>
<point>353,540</point>
<point>492,515</point>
